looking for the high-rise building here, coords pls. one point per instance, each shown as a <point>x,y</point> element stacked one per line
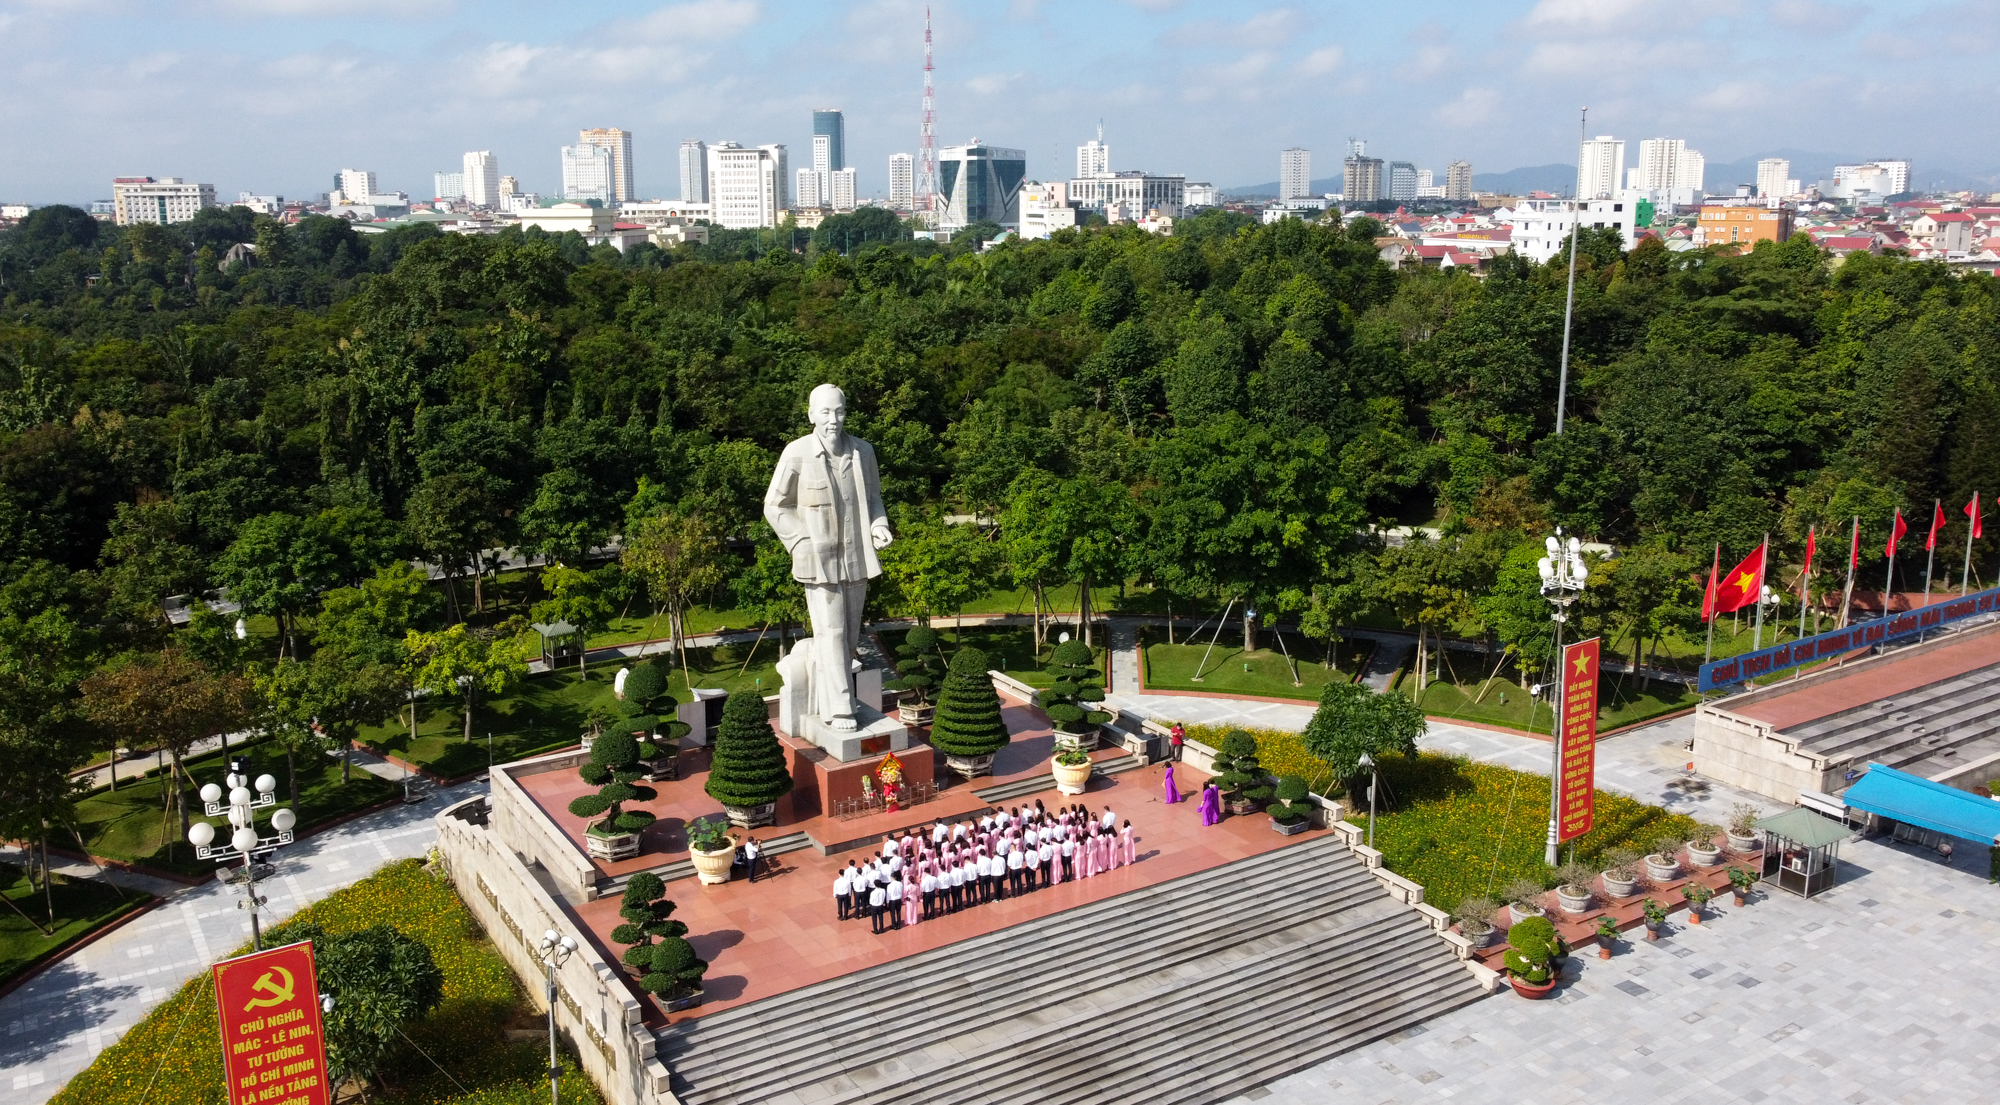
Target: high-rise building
<point>1132,191</point>
<point>694,171</point>
<point>981,183</point>
<point>1458,180</point>
<point>586,174</point>
<point>1295,171</point>
<point>807,194</point>
<point>355,185</point>
<point>619,143</point>
<point>1093,158</point>
<point>1402,181</point>
<point>747,187</point>
<point>509,188</point>
<point>1878,179</point>
<point>1600,167</point>
<point>1360,175</point>
<point>1199,193</point>
<point>829,156</point>
<point>448,186</point>
<point>902,180</point>
<point>144,199</point>
<point>482,178</point>
<point>1666,164</point>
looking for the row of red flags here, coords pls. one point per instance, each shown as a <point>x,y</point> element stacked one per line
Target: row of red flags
<point>1745,582</point>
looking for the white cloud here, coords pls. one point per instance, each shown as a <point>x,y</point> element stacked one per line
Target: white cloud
<point>1591,16</point>
<point>329,9</point>
<point>1473,107</point>
<point>711,19</point>
<point>1266,28</point>
<point>1322,61</point>
<point>990,84</point>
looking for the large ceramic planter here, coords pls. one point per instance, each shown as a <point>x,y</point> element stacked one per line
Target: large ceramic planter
<point>613,846</point>
<point>666,765</point>
<point>971,767</point>
<point>1533,991</point>
<point>1086,740</point>
<point>1071,778</point>
<point>1481,938</point>
<point>1293,829</point>
<point>1662,868</point>
<point>1618,889</point>
<point>910,713</point>
<point>750,817</point>
<point>1744,845</point>
<point>712,868</point>
<point>1239,807</point>
<point>1572,903</point>
<point>1521,913</point>
<point>1710,857</point>
<point>686,1001</point>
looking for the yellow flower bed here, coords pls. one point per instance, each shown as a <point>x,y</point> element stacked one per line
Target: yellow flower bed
<point>1280,751</point>
<point>174,1051</point>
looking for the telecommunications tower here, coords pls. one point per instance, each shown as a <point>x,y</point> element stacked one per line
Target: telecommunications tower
<point>924,194</point>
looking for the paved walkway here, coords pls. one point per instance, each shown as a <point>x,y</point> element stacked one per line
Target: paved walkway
<point>57,1023</point>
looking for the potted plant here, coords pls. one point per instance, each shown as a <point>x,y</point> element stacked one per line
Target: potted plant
<point>750,771</point>
<point>659,741</point>
<point>968,727</point>
<point>1475,919</point>
<point>712,849</point>
<point>1292,812</point>
<point>1524,899</point>
<point>1743,838</point>
<point>1621,873</point>
<point>1573,881</point>
<point>1532,949</point>
<point>1071,766</point>
<point>1663,863</point>
<point>1702,848</point>
<point>648,915</point>
<point>918,670</point>
<point>613,769</point>
<point>1241,777</point>
<point>1741,879</point>
<point>1068,701</point>
<point>1656,915</point>
<point>674,974</point>
<point>1697,895</point>
<point>1607,931</point>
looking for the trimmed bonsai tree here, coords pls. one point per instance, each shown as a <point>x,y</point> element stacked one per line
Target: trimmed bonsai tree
<point>1293,805</point>
<point>1532,948</point>
<point>750,768</point>
<point>613,770</point>
<point>1475,916</point>
<point>968,726</point>
<point>918,668</point>
<point>675,970</point>
<point>648,915</point>
<point>1526,895</point>
<point>646,694</point>
<point>1068,700</point>
<point>1238,773</point>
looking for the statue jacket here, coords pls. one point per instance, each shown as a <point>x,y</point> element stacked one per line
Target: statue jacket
<point>818,521</point>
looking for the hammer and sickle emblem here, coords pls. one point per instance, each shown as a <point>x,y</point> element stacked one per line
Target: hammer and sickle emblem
<point>281,992</point>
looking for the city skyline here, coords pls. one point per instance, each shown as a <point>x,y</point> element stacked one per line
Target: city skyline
<point>252,110</point>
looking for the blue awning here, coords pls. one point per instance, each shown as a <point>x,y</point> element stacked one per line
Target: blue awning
<point>1918,801</point>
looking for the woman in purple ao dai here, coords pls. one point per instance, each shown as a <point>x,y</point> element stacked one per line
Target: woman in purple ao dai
<point>1211,805</point>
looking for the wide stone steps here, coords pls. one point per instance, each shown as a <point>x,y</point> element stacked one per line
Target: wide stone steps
<point>1949,721</point>
<point>1117,1000</point>
<point>1035,784</point>
<point>684,868</point>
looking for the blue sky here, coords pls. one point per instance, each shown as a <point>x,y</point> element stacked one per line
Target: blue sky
<point>275,95</point>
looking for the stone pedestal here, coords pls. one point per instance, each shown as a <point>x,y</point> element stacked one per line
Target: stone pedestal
<point>873,734</point>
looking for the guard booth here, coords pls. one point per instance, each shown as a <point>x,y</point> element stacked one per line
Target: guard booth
<point>1801,851</point>
<point>561,643</point>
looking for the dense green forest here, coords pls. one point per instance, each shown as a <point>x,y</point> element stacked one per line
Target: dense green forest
<point>1224,414</point>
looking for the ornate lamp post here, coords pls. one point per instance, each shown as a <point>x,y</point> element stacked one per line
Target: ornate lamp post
<point>1563,575</point>
<point>244,842</point>
<point>555,951</point>
<point>1368,762</point>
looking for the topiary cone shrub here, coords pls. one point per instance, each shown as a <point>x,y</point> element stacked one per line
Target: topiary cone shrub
<point>611,770</point>
<point>1238,773</point>
<point>1067,701</point>
<point>676,970</point>
<point>968,725</point>
<point>1292,806</point>
<point>750,769</point>
<point>1532,949</point>
<point>648,915</point>
<point>917,667</point>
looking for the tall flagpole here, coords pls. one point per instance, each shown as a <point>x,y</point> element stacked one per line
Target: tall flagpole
<point>1763,563</point>
<point>1805,582</point>
<point>1708,653</point>
<point>1853,554</point>
<point>1569,304</point>
<point>1965,577</point>
<point>1930,547</point>
<point>1889,578</point>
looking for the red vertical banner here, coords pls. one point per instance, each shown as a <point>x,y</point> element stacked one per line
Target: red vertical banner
<point>1579,740</point>
<point>273,1049</point>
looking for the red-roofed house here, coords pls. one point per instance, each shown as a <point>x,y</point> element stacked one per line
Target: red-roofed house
<point>1840,245</point>
<point>1946,230</point>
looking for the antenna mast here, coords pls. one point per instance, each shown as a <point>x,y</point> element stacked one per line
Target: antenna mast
<point>924,195</point>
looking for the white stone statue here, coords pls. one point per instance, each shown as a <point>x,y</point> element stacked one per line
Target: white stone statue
<point>825,504</point>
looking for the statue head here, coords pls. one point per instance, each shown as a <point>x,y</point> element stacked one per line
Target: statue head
<point>828,409</point>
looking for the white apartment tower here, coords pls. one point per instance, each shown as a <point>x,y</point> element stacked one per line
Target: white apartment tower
<point>1093,158</point>
<point>144,199</point>
<point>1458,180</point>
<point>356,185</point>
<point>746,187</point>
<point>1773,177</point>
<point>902,180</point>
<point>448,186</point>
<point>619,144</point>
<point>694,171</point>
<point>587,174</point>
<point>1666,164</point>
<point>482,178</point>
<point>1295,170</point>
<point>1600,167</point>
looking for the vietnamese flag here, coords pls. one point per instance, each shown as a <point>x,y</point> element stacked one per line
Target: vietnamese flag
<point>1895,534</point>
<point>1708,597</point>
<point>1937,523</point>
<point>1972,512</point>
<point>1811,544</point>
<point>1742,585</point>
<point>1854,550</point>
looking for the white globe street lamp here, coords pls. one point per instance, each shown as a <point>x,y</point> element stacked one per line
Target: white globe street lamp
<point>1563,575</point>
<point>555,950</point>
<point>243,841</point>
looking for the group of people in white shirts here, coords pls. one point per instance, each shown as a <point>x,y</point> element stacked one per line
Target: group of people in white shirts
<point>919,876</point>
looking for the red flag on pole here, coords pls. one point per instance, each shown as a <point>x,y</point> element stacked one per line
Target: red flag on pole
<point>1742,585</point>
<point>1810,545</point>
<point>1972,512</point>
<point>1708,598</point>
<point>1937,523</point>
<point>1854,553</point>
<point>1896,534</point>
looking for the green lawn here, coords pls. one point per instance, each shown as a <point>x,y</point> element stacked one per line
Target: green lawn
<point>126,824</point>
<point>1010,649</point>
<point>82,906</point>
<point>1448,819</point>
<point>1228,669</point>
<point>1619,700</point>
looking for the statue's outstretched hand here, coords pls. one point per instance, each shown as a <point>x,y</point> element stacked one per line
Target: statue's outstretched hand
<point>881,536</point>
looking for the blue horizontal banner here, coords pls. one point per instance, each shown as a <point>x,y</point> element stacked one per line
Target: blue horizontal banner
<point>1895,627</point>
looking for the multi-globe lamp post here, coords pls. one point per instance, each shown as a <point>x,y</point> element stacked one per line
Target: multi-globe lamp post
<point>244,842</point>
<point>1563,575</point>
<point>555,950</point>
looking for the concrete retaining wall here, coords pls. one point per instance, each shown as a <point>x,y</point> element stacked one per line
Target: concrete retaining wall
<point>524,829</point>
